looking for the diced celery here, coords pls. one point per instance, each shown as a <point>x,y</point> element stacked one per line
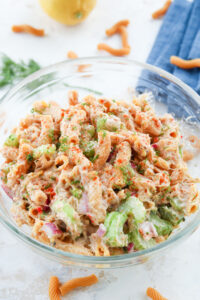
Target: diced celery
<point>52,134</point>
<point>101,124</point>
<point>177,204</point>
<point>65,212</point>
<point>138,241</point>
<point>63,147</point>
<point>114,223</point>
<point>133,206</point>
<point>109,218</point>
<point>77,193</point>
<point>90,129</point>
<point>63,140</point>
<point>169,214</point>
<point>44,149</point>
<point>12,141</point>
<point>163,227</point>
<point>63,144</point>
<point>89,149</point>
<point>128,174</point>
<point>5,172</point>
<point>110,124</point>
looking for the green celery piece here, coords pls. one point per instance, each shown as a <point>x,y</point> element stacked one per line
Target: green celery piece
<point>169,214</point>
<point>65,212</point>
<point>90,129</point>
<point>12,141</point>
<point>109,218</point>
<point>44,149</point>
<point>163,227</point>
<point>101,124</point>
<point>63,147</point>
<point>77,193</point>
<point>128,174</point>
<point>114,223</point>
<point>138,241</point>
<point>177,204</point>
<point>64,140</point>
<point>89,149</point>
<point>133,206</point>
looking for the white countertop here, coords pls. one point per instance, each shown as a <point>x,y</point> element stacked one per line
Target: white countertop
<point>24,274</point>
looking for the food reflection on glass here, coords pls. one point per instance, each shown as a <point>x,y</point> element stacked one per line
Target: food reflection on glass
<point>99,177</point>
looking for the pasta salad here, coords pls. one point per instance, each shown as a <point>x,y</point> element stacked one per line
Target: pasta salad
<point>100,177</point>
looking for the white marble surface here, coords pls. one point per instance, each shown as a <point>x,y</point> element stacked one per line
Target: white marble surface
<point>24,274</point>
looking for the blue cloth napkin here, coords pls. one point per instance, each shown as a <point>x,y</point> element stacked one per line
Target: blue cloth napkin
<point>179,35</point>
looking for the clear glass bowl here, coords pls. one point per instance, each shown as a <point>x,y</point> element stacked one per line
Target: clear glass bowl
<point>110,77</point>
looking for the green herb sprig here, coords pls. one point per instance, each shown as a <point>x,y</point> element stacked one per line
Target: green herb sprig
<point>11,71</point>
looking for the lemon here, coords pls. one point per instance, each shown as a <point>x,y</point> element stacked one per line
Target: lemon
<point>69,12</point>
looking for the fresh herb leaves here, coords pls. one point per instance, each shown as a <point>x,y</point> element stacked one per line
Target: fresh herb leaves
<point>11,71</point>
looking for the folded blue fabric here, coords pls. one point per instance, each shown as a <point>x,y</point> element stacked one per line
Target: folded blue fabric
<point>179,35</point>
<point>171,34</point>
<point>190,47</point>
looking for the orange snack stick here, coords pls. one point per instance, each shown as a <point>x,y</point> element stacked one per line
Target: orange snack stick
<point>115,27</point>
<point>82,68</point>
<point>185,64</point>
<point>122,30</point>
<point>28,29</point>
<point>115,52</point>
<point>77,282</point>
<point>154,295</point>
<point>54,292</point>
<point>162,11</point>
<point>72,55</point>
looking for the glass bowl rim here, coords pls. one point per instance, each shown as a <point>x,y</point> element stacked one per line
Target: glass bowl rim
<point>4,220</point>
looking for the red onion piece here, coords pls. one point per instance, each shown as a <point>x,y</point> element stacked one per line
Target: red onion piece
<point>133,165</point>
<point>133,193</point>
<point>8,191</point>
<point>83,204</point>
<point>101,230</point>
<point>46,208</point>
<point>51,229</point>
<point>148,230</point>
<point>155,146</point>
<point>130,247</point>
<point>111,155</point>
<point>48,201</point>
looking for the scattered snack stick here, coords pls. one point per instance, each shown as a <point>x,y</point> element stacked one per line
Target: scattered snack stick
<point>114,28</point>
<point>119,27</point>
<point>154,295</point>
<point>162,11</point>
<point>54,292</point>
<point>185,64</point>
<point>27,29</point>
<point>116,52</point>
<point>122,30</point>
<point>77,282</point>
<point>187,155</point>
<point>72,55</point>
<point>81,68</point>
